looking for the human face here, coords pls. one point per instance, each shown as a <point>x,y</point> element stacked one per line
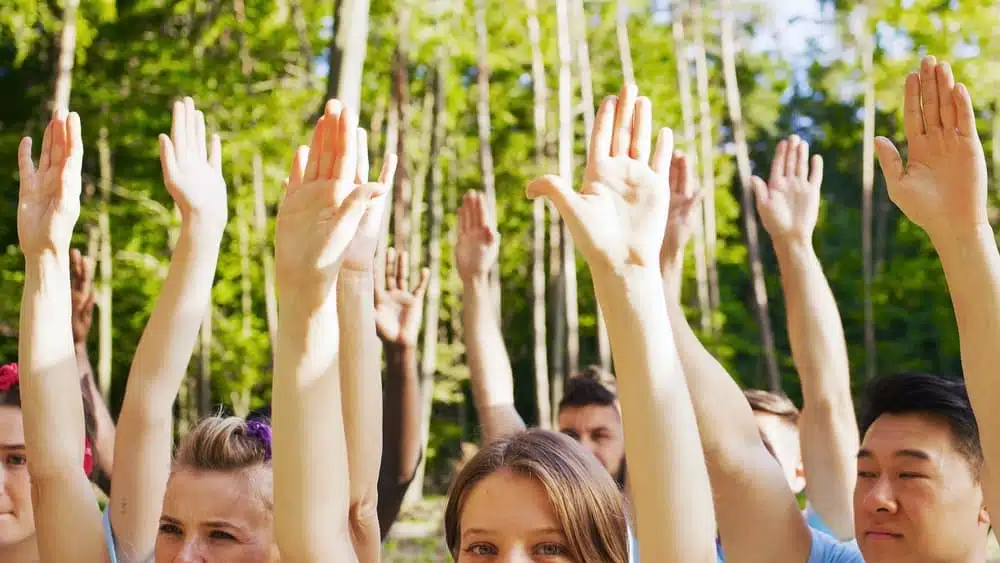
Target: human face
<point>917,499</point>
<point>17,520</point>
<point>598,428</point>
<point>509,518</point>
<point>783,437</point>
<point>216,516</point>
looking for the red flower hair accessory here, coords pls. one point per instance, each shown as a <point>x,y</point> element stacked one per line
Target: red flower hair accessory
<point>88,457</point>
<point>8,376</point>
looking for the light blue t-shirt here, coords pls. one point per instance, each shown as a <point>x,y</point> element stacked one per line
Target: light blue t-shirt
<point>109,536</point>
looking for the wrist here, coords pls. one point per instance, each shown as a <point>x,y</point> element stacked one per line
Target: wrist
<point>792,248</point>
<point>962,240</point>
<point>200,232</point>
<point>475,283</point>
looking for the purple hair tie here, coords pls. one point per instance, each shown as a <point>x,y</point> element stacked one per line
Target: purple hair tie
<point>262,432</point>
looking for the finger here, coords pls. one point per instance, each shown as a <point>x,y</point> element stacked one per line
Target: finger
<point>913,116</point>
<point>315,149</point>
<point>191,127</point>
<point>463,215</point>
<point>24,163</point>
<point>604,127</point>
<point>803,171</point>
<point>215,153</point>
<point>562,196</point>
<point>88,303</point>
<point>663,154</point>
<point>403,271</point>
<point>946,85</point>
<point>58,139</point>
<point>816,175</point>
<point>890,161</point>
<point>929,94</point>
<point>965,114</point>
<point>199,135</point>
<point>178,130</point>
<point>76,267</point>
<point>778,162</point>
<point>168,157</point>
<point>355,206</point>
<point>388,174</point>
<point>45,158</point>
<point>299,163</point>
<point>642,130</point>
<point>348,137</point>
<point>792,156</point>
<point>759,191</point>
<point>684,184</point>
<point>332,145</point>
<point>362,168</point>
<point>391,265</point>
<point>75,140</point>
<point>425,278</point>
<point>623,120</point>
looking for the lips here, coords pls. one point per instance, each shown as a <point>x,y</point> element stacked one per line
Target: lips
<point>882,534</point>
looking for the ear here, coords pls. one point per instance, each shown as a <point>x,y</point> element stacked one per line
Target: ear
<point>984,516</point>
<point>799,481</point>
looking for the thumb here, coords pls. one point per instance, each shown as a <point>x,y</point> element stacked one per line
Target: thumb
<point>890,161</point>
<point>556,190</point>
<point>759,190</point>
<point>215,153</point>
<point>167,159</point>
<point>355,205</point>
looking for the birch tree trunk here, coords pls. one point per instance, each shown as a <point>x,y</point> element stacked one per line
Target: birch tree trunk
<point>348,45</point>
<point>246,285</point>
<point>690,144</point>
<point>420,181</point>
<point>867,187</point>
<point>264,247</point>
<point>401,99</point>
<point>204,387</point>
<point>624,47</point>
<point>67,56</point>
<point>485,133</point>
<point>747,198</point>
<point>707,133</point>
<point>540,351</point>
<point>104,349</point>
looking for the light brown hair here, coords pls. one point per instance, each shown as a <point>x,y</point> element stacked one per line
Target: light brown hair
<point>773,403</point>
<point>587,502</point>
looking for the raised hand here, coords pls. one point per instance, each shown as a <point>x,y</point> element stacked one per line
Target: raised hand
<point>82,293</point>
<point>942,188</point>
<point>478,245</point>
<point>323,207</point>
<point>789,202</point>
<point>360,254</point>
<point>619,215</point>
<point>684,201</point>
<point>398,310</point>
<point>48,202</point>
<point>192,172</point>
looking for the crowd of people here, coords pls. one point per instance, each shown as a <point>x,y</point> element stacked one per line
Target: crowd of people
<point>666,461</point>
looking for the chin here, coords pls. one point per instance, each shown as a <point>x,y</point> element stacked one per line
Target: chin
<point>12,532</point>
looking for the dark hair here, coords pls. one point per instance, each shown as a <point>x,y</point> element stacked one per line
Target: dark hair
<point>592,386</point>
<point>772,403</point>
<point>923,393</point>
<point>587,504</point>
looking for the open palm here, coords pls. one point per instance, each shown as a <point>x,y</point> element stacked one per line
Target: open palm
<point>398,309</point>
<point>683,212</point>
<point>192,171</point>
<point>788,203</point>
<point>618,216</point>
<point>478,245</point>
<point>943,185</point>
<point>48,203</point>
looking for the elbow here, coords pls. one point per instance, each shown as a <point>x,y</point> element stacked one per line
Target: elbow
<point>366,534</point>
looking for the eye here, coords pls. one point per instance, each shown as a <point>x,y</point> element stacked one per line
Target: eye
<point>866,474</point>
<point>220,535</point>
<point>481,549</point>
<point>906,475</point>
<point>572,434</point>
<point>550,549</point>
<point>16,460</point>
<point>171,530</point>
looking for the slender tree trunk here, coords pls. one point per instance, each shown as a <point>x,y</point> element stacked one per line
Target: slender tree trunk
<point>246,285</point>
<point>541,94</point>
<point>867,187</point>
<point>348,44</point>
<point>432,308</point>
<point>690,144</point>
<point>485,129</point>
<point>578,19</point>
<point>566,171</point>
<point>104,293</point>
<point>420,180</point>
<point>746,192</point>
<point>707,154</point>
<point>401,99</point>
<point>260,226</point>
<point>391,145</point>
<point>624,47</point>
<point>305,45</point>
<point>67,56</point>
<point>375,137</point>
<point>205,373</point>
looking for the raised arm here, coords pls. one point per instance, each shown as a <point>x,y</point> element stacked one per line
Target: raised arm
<point>361,363</point>
<point>617,220</point>
<point>83,315</point>
<point>67,518</point>
<point>398,314</point>
<point>316,222</point>
<point>192,173</point>
<point>943,189</point>
<point>758,517</point>
<point>828,432</point>
<point>492,378</point>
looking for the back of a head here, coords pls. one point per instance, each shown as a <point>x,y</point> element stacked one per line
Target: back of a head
<point>227,444</point>
<point>592,386</point>
<point>587,502</point>
<point>772,403</point>
<point>925,394</point>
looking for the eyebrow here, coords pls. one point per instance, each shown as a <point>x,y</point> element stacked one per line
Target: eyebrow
<point>910,453</point>
<point>210,524</point>
<point>483,531</point>
<point>12,446</point>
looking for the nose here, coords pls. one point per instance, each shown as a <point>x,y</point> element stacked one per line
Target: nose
<point>190,553</point>
<point>880,497</point>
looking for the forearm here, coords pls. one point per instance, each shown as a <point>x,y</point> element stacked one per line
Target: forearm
<point>401,439</point>
<point>104,424</point>
<point>672,272</point>
<point>361,384</point>
<point>310,463</point>
<point>66,515</point>
<point>668,478</point>
<point>828,429</point>
<point>489,366</point>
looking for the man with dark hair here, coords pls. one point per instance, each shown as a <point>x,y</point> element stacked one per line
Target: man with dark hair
<point>589,413</point>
